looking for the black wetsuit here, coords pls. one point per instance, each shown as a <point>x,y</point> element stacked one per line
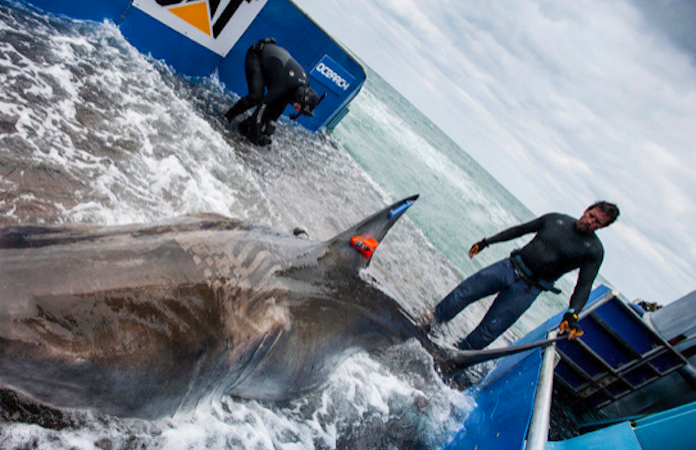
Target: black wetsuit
<point>270,67</point>
<point>557,248</point>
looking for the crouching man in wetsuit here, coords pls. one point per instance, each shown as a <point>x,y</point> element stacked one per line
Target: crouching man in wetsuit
<point>561,244</point>
<point>271,67</point>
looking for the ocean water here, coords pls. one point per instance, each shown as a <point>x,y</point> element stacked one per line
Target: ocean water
<point>91,131</point>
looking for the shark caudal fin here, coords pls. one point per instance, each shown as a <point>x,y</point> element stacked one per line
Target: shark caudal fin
<point>356,245</point>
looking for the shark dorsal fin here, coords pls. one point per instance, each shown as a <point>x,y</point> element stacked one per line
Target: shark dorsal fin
<point>354,246</point>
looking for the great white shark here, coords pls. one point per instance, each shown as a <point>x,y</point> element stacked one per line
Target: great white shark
<point>151,319</point>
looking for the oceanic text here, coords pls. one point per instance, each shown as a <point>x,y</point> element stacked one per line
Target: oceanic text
<point>333,76</point>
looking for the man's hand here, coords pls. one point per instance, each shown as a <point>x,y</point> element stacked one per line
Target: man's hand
<point>477,247</point>
<point>570,325</point>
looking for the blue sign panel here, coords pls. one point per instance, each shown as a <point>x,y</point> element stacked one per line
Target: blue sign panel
<point>329,73</point>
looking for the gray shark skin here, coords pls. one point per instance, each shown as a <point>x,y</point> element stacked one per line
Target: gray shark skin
<point>149,320</point>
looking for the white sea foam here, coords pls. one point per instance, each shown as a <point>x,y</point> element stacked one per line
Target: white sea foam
<point>361,394</point>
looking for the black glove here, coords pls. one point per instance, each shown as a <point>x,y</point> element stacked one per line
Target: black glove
<point>570,325</point>
<point>477,247</point>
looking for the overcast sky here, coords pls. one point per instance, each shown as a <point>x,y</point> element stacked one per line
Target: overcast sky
<point>564,102</point>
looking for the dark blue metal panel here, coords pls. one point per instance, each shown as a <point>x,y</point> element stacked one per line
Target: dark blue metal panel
<point>569,375</point>
<point>604,344</point>
<point>86,10</point>
<point>503,410</point>
<point>624,323</point>
<point>666,362</point>
<point>639,376</point>
<point>308,44</point>
<point>579,356</point>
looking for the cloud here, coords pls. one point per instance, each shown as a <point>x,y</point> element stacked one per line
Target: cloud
<point>673,18</point>
<point>562,102</point>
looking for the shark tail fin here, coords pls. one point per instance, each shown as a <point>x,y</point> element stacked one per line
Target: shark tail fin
<point>356,245</point>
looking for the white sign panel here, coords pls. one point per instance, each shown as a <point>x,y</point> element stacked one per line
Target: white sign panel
<point>215,24</point>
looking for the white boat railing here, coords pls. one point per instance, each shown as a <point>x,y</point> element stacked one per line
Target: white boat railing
<point>541,411</point>
<point>538,433</point>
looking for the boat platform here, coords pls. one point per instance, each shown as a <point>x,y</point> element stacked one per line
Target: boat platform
<point>612,370</point>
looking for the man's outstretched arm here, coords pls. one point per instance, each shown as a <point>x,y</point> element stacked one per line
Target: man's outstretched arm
<point>508,234</point>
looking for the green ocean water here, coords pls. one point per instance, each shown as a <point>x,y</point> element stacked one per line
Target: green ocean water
<point>405,153</point>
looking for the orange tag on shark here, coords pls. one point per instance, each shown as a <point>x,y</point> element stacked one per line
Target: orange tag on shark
<point>364,244</point>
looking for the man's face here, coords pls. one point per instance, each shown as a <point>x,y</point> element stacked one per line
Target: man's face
<point>297,107</point>
<point>591,220</point>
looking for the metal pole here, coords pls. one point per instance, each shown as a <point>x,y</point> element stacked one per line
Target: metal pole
<point>541,412</point>
<point>538,433</point>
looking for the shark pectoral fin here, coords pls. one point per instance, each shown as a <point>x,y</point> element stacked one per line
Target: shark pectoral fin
<point>462,359</point>
<point>355,245</point>
<point>252,355</point>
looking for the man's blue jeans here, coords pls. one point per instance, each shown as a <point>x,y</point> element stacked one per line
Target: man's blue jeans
<point>515,296</point>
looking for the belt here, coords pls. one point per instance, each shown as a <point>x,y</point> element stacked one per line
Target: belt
<point>524,272</point>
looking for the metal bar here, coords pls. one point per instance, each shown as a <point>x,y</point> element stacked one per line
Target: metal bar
<point>628,367</point>
<point>541,412</point>
<point>638,358</point>
<point>650,329</point>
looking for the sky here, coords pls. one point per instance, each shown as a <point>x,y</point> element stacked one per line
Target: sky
<point>563,102</point>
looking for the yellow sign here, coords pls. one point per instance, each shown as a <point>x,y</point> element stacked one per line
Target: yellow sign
<point>195,14</point>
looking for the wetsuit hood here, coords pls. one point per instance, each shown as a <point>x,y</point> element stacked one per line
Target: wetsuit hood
<point>307,98</point>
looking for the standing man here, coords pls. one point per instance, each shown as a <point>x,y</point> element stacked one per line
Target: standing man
<point>561,244</point>
<point>268,66</point>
